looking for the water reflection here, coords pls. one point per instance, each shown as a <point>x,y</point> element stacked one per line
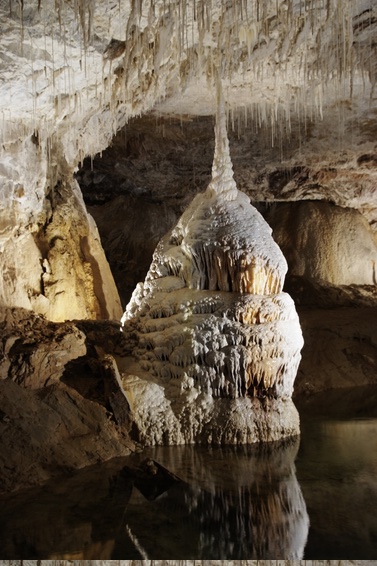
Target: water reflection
<point>337,471</point>
<point>239,503</point>
<point>229,503</point>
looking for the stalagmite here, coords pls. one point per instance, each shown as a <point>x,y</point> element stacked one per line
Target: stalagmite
<point>215,343</point>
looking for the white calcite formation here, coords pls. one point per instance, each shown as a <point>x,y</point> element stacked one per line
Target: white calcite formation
<point>216,342</point>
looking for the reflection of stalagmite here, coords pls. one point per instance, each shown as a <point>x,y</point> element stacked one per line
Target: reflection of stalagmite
<point>210,323</point>
<point>236,503</point>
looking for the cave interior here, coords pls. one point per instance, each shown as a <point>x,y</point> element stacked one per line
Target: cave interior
<point>107,114</point>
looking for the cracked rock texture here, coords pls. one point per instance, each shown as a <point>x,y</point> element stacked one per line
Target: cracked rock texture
<point>34,353</point>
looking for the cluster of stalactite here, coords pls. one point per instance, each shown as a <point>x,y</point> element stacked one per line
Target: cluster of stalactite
<point>318,50</point>
<point>217,268</point>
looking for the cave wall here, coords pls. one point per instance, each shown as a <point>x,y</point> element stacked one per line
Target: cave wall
<point>325,243</point>
<point>52,258</point>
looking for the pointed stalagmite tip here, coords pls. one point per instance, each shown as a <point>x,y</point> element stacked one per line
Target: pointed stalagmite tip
<point>222,181</point>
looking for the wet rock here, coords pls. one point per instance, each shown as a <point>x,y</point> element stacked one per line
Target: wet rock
<point>51,432</point>
<point>62,405</point>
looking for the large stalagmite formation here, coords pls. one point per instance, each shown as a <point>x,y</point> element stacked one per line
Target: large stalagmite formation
<point>216,342</point>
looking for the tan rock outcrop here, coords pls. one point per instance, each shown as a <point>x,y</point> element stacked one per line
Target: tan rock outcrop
<point>325,243</point>
<point>76,278</point>
<point>52,258</point>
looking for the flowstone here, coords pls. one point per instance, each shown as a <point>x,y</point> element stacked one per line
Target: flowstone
<point>214,342</point>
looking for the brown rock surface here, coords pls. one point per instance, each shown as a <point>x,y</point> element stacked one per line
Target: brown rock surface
<point>50,432</point>
<point>62,406</point>
<point>34,352</point>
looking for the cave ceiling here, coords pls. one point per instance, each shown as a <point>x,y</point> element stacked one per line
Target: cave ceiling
<point>298,76</point>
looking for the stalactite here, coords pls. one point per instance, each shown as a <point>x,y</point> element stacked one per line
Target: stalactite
<point>260,41</point>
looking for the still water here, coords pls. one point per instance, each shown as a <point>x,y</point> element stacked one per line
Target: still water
<point>310,498</point>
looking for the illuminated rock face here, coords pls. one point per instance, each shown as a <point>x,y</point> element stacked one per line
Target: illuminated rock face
<point>217,341</point>
<point>54,264</point>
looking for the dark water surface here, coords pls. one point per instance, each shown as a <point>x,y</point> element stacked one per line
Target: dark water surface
<point>312,498</point>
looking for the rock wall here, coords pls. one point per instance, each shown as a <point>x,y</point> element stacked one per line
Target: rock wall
<point>324,243</point>
<point>76,278</point>
<point>61,404</point>
<point>53,261</point>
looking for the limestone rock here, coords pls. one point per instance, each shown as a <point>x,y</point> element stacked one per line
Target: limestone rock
<point>50,432</point>
<point>76,279</point>
<point>62,406</point>
<point>212,367</point>
<point>224,246</point>
<point>324,243</point>
<point>52,259</point>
